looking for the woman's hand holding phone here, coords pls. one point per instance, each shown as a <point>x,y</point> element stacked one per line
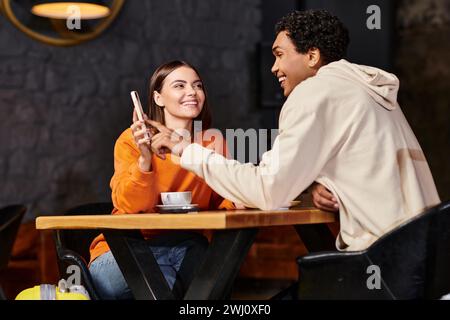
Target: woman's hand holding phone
<point>139,130</point>
<point>142,134</point>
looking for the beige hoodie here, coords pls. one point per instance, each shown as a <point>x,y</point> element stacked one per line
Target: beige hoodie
<point>344,129</point>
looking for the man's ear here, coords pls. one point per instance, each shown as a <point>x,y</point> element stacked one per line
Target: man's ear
<point>314,58</point>
<point>158,98</point>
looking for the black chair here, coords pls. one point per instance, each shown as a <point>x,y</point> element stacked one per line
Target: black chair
<point>413,261</point>
<point>10,218</point>
<point>72,246</point>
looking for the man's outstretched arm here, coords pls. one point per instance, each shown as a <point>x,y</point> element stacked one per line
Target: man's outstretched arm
<point>299,153</point>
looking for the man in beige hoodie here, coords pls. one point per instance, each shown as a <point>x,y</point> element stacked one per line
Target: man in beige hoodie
<point>340,126</point>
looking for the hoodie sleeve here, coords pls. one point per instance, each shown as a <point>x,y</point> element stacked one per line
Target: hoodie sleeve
<point>299,152</point>
<point>213,140</point>
<point>132,189</point>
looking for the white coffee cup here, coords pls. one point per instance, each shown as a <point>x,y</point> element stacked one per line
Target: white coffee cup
<point>176,198</point>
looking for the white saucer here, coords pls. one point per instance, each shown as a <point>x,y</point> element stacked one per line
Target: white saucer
<point>183,208</point>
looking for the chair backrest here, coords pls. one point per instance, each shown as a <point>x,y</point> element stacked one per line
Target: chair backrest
<point>411,261</point>
<point>80,240</point>
<point>10,218</point>
<point>412,258</point>
<point>72,246</point>
<point>438,271</point>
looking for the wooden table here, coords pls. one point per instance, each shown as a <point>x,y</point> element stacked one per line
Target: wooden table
<point>234,234</point>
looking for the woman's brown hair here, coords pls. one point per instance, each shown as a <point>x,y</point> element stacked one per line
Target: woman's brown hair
<point>156,83</point>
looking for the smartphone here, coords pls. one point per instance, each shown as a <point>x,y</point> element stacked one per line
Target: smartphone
<point>138,109</point>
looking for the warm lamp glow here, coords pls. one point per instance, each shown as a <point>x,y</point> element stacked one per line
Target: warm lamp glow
<point>60,10</point>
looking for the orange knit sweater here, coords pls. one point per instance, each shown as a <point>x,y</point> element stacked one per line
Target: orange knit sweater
<point>134,191</point>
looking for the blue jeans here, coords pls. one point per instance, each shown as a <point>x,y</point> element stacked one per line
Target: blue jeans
<point>177,256</point>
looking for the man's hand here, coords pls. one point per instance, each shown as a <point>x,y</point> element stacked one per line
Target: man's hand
<point>323,198</point>
<point>167,140</point>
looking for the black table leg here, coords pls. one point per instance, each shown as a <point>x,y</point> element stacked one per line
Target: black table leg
<point>316,237</point>
<point>138,265</point>
<point>215,276</point>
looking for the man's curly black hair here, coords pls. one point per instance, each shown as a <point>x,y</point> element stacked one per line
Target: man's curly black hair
<point>316,29</point>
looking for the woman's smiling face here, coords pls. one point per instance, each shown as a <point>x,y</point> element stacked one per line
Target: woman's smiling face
<point>182,94</point>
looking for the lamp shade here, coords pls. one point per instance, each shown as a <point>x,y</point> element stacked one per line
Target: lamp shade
<point>63,10</point>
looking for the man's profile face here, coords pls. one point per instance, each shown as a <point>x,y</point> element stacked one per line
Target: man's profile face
<point>290,66</point>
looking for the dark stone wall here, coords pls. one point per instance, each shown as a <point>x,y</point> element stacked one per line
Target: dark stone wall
<point>423,66</point>
<point>62,109</point>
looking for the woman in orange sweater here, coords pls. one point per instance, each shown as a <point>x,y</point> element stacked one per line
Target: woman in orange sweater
<point>177,98</point>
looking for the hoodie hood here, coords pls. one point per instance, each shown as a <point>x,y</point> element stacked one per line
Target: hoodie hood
<point>381,85</point>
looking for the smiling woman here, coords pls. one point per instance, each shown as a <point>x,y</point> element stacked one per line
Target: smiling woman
<point>177,98</point>
<point>177,92</point>
<point>181,99</point>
